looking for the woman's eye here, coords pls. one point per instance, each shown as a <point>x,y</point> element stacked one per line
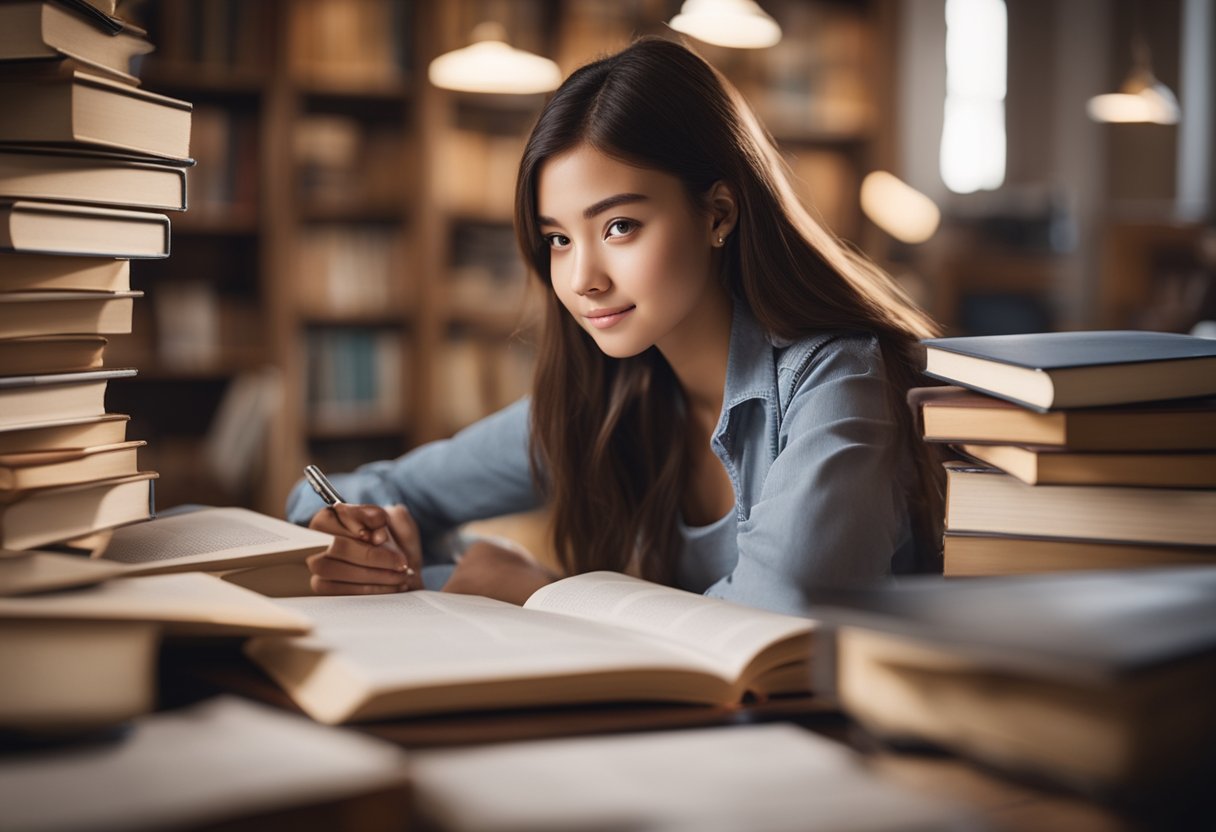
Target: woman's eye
<point>557,241</point>
<point>620,228</point>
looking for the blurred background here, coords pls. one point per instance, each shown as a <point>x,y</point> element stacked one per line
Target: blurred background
<point>345,285</point>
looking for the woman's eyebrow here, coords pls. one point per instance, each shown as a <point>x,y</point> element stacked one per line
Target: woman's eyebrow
<point>600,207</point>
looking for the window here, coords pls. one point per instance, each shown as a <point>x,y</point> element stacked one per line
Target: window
<point>973,132</point>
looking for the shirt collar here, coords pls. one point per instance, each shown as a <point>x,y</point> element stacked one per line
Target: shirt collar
<point>751,367</point>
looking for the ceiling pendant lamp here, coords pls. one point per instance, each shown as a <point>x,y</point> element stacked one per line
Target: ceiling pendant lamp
<point>739,24</point>
<point>1142,98</point>
<point>899,209</point>
<point>491,65</point>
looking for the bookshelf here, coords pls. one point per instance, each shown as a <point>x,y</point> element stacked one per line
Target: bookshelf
<point>350,225</point>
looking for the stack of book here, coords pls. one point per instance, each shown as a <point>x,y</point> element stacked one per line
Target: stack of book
<point>79,637</point>
<point>1086,450</point>
<point>88,159</point>
<point>1097,681</point>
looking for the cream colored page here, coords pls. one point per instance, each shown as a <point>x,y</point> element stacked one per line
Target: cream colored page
<point>27,572</point>
<point>193,767</point>
<point>190,601</point>
<point>773,777</point>
<point>208,536</point>
<point>733,634</point>
<point>428,638</point>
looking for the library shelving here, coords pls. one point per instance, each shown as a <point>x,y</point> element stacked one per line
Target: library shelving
<point>346,284</point>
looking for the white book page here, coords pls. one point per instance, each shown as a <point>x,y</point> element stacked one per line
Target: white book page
<point>731,633</point>
<point>772,777</point>
<point>189,603</point>
<point>224,536</point>
<point>22,573</point>
<point>191,768</point>
<point>432,638</point>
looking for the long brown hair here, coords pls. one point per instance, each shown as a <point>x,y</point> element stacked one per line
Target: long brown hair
<point>608,434</point>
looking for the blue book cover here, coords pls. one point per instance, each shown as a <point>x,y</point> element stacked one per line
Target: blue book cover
<point>1059,370</point>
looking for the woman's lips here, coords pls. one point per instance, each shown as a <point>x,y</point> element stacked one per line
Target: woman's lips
<point>605,318</point>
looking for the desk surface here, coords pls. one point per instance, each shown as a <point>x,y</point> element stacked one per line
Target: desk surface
<point>188,674</point>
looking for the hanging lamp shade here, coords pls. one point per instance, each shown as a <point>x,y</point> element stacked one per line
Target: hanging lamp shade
<point>1142,98</point>
<point>491,65</point>
<point>899,209</point>
<point>739,24</point>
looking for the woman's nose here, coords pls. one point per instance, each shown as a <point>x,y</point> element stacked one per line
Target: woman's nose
<point>588,277</point>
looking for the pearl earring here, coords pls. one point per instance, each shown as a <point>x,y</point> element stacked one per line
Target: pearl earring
<point>721,241</point>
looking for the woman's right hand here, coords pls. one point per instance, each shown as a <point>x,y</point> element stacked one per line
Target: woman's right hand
<point>374,551</point>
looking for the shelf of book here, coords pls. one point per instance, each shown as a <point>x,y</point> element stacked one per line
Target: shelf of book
<point>354,212</point>
<point>205,82</point>
<point>337,190</point>
<point>389,90</point>
<point>239,224</point>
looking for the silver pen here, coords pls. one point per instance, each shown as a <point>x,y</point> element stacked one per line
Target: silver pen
<point>321,484</point>
<point>326,491</point>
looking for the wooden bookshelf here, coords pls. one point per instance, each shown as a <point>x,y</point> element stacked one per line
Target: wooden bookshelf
<point>337,190</point>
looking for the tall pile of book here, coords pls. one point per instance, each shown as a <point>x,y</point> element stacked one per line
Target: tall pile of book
<point>1101,682</point>
<point>88,159</point>
<point>1085,450</point>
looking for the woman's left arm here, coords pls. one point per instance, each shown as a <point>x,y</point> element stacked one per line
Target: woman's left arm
<point>483,471</point>
<point>831,509</point>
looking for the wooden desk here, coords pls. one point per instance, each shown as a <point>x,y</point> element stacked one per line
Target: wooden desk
<point>195,671</point>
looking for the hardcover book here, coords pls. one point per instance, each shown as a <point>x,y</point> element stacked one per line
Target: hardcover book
<point>52,228</point>
<point>39,355</point>
<point>92,178</point>
<point>62,105</point>
<point>40,272</point>
<point>42,516</point>
<point>974,553</point>
<point>47,469</point>
<point>36,29</point>
<point>1100,680</point>
<point>952,414</point>
<point>27,314</point>
<point>986,500</point>
<point>41,400</point>
<point>79,432</point>
<point>87,657</point>
<point>1053,466</point>
<point>596,637</point>
<point>1056,370</point>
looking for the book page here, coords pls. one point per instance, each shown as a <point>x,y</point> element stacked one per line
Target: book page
<point>196,767</point>
<point>23,573</point>
<point>225,537</point>
<point>190,603</point>
<point>773,777</point>
<point>426,638</point>
<point>731,633</point>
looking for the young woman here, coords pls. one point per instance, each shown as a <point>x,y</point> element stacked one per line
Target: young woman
<point>719,397</point>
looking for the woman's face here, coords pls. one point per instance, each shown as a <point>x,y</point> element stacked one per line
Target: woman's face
<point>629,257</point>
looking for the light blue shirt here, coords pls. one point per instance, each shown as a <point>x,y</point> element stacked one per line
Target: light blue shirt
<point>818,466</point>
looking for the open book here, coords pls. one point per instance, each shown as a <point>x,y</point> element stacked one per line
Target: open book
<point>210,539</point>
<point>777,778</point>
<point>598,637</point>
<point>87,658</point>
<point>221,764</point>
<point>231,541</point>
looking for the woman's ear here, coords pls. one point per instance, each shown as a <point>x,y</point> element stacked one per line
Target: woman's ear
<point>723,213</point>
